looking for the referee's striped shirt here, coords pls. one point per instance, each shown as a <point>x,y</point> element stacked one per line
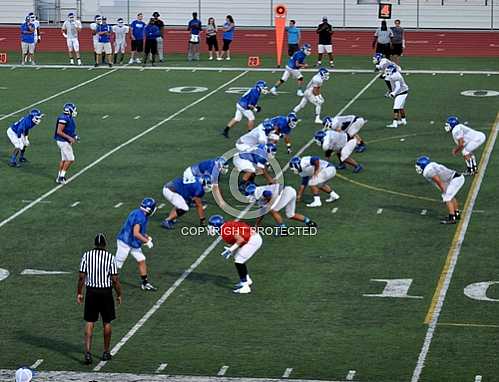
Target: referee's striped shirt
<point>98,265</point>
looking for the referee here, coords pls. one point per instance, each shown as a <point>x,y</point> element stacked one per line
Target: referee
<point>99,273</point>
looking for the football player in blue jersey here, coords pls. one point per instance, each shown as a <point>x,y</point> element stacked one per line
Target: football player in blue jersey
<point>283,125</point>
<point>18,134</point>
<point>247,106</point>
<point>254,162</point>
<point>133,235</point>
<point>65,137</point>
<point>182,194</point>
<point>211,168</point>
<point>295,63</point>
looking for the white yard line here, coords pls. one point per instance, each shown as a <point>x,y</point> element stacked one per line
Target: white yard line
<point>58,94</point>
<point>334,210</point>
<point>117,148</point>
<point>75,204</point>
<point>37,363</point>
<point>161,367</point>
<point>222,371</point>
<point>455,251</point>
<point>241,69</point>
<point>206,252</point>
<point>287,372</point>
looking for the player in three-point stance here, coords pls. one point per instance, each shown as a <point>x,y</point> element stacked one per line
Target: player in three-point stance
<point>315,173</point>
<point>274,199</point>
<point>244,241</point>
<point>18,135</point>
<point>313,94</point>
<point>399,93</point>
<point>253,163</point>
<point>350,124</point>
<point>467,141</point>
<point>381,63</point>
<point>247,106</point>
<point>448,181</point>
<point>295,63</point>
<point>65,136</point>
<point>260,135</point>
<point>133,235</point>
<point>181,195</point>
<point>283,126</point>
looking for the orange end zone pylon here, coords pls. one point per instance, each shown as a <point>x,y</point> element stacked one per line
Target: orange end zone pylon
<point>280,13</point>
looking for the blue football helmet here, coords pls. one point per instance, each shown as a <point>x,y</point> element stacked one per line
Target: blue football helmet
<point>319,137</point>
<point>421,163</point>
<point>148,205</point>
<point>207,183</point>
<point>267,126</point>
<point>390,69</point>
<point>292,119</point>
<point>261,84</point>
<point>452,122</point>
<point>250,189</point>
<point>70,108</point>
<point>307,49</point>
<point>267,194</point>
<point>216,221</point>
<point>377,58</point>
<point>324,73</point>
<point>327,122</point>
<point>295,164</point>
<point>36,116</point>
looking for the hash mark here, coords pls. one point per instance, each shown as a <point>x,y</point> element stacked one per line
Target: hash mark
<point>136,117</point>
<point>118,205</point>
<point>379,211</point>
<point>105,116</point>
<point>222,371</point>
<point>36,364</point>
<point>424,212</point>
<point>75,204</point>
<point>161,367</point>
<point>478,378</point>
<point>201,119</point>
<point>350,375</point>
<point>334,210</point>
<point>287,372</point>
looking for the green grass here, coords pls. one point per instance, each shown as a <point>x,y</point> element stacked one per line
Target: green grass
<point>307,310</point>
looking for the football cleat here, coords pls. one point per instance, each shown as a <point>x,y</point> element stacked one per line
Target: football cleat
<point>243,290</point>
<point>394,125</point>
<point>23,160</point>
<point>299,93</point>
<point>240,284</point>
<point>358,169</point>
<point>88,358</point>
<point>273,90</point>
<point>318,120</point>
<point>332,197</point>
<point>167,224</point>
<point>148,287</point>
<point>315,203</point>
<point>106,356</point>
<point>360,148</point>
<point>14,164</point>
<point>340,166</point>
<point>448,221</point>
<point>311,223</point>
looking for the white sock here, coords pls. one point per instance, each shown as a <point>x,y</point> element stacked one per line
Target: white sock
<point>62,173</point>
<point>404,120</point>
<point>395,122</point>
<point>317,198</point>
<point>318,109</point>
<point>71,61</point>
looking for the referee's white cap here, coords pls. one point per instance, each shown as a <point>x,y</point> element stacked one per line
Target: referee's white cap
<point>24,374</point>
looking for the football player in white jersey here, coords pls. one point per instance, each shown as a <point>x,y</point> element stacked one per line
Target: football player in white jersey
<point>467,141</point>
<point>260,135</point>
<point>275,199</point>
<point>399,93</point>
<point>313,94</point>
<point>36,24</point>
<point>448,181</point>
<point>337,141</point>
<point>350,124</point>
<point>381,63</point>
<point>120,32</point>
<point>70,30</point>
<point>95,36</point>
<point>315,173</point>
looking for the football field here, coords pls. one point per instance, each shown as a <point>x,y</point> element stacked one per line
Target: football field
<point>382,292</point>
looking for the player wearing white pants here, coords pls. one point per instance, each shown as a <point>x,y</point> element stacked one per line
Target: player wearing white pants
<point>18,142</point>
<point>246,252</point>
<point>120,32</point>
<point>70,30</point>
<point>338,142</point>
<point>275,199</point>
<point>66,149</point>
<point>313,94</point>
<point>240,112</point>
<point>176,199</point>
<point>244,165</point>
<point>122,252</point>
<point>399,93</point>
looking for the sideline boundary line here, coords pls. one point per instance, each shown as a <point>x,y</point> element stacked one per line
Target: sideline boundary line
<point>239,69</point>
<point>205,253</point>
<point>117,148</point>
<point>450,264</point>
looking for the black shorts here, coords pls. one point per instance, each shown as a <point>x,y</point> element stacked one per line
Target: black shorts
<point>212,42</point>
<point>137,45</point>
<point>151,47</point>
<point>397,49</point>
<point>99,301</point>
<point>384,49</point>
<point>292,48</point>
<point>226,45</point>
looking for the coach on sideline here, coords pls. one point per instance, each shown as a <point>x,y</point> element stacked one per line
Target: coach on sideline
<point>98,271</point>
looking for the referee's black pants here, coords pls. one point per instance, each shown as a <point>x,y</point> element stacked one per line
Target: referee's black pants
<point>99,301</point>
<point>151,47</point>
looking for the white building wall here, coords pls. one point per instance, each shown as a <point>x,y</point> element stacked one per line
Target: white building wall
<point>15,11</point>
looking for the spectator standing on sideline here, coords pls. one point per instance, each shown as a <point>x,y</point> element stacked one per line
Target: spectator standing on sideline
<point>229,28</point>
<point>194,27</point>
<point>325,32</point>
<point>27,41</point>
<point>70,30</point>
<point>211,39</point>
<point>104,45</point>
<point>137,36</point>
<point>95,36</point>
<point>382,39</point>
<point>152,33</point>
<point>160,39</point>
<point>293,38</point>
<point>99,274</point>
<point>120,31</point>
<point>36,25</point>
<point>398,42</point>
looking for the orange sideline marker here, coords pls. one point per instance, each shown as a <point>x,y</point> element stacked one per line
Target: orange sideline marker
<point>280,13</point>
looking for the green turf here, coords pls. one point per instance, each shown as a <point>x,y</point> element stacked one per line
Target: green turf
<point>307,311</point>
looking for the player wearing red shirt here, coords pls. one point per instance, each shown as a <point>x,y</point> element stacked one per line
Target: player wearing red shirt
<point>244,241</point>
